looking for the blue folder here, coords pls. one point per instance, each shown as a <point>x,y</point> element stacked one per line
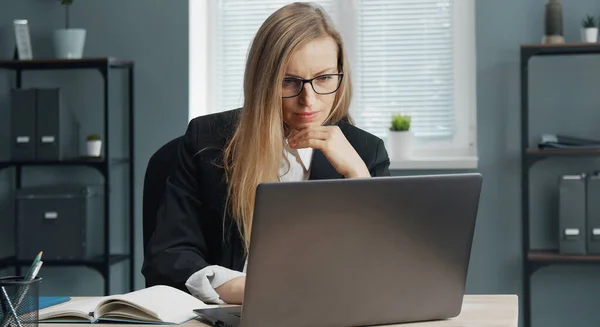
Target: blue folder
<point>48,301</point>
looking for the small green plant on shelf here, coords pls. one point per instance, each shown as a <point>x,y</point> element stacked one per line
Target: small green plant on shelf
<point>589,22</point>
<point>94,145</point>
<point>589,32</point>
<point>399,140</point>
<point>400,123</point>
<point>93,137</point>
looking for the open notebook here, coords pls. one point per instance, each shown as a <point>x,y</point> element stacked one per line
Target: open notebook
<point>153,305</point>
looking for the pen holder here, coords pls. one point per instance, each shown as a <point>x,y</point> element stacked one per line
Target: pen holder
<point>24,301</point>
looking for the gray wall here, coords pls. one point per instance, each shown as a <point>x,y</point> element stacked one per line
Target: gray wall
<point>563,99</point>
<point>154,34</point>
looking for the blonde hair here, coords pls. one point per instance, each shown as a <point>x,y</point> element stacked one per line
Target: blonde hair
<point>255,152</point>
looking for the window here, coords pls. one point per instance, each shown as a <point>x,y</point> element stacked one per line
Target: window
<point>407,56</point>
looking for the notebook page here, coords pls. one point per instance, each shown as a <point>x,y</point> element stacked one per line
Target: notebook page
<point>72,308</point>
<point>170,304</point>
<point>120,312</point>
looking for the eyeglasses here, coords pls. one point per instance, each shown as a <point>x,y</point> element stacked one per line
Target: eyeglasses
<point>322,84</point>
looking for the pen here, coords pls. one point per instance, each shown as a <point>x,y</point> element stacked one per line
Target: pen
<point>34,273</point>
<point>36,269</point>
<point>31,274</point>
<point>37,259</point>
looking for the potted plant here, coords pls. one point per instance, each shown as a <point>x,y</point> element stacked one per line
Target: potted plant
<point>400,137</point>
<point>69,42</point>
<point>589,32</point>
<point>94,145</point>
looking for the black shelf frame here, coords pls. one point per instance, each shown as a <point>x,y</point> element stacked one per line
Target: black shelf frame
<point>103,165</point>
<point>96,263</point>
<point>532,260</point>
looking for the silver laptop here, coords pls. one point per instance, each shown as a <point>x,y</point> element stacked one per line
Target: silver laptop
<point>357,252</point>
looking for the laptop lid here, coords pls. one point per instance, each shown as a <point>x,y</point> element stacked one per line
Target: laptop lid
<point>358,252</point>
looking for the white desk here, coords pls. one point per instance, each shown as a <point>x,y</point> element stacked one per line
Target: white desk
<point>478,311</point>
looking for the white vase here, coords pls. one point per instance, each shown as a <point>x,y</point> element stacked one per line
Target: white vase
<point>94,148</point>
<point>69,43</point>
<point>400,145</point>
<point>589,35</point>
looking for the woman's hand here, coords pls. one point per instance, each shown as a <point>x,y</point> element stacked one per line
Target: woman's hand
<point>232,292</point>
<point>336,148</point>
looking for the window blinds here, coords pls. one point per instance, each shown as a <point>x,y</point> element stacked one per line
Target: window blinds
<point>403,51</point>
<point>404,65</point>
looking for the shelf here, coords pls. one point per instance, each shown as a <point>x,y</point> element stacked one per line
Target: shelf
<point>562,152</point>
<point>533,260</point>
<point>96,162</point>
<point>113,258</point>
<point>560,49</point>
<point>38,64</point>
<point>553,256</point>
<point>104,66</point>
<point>94,262</point>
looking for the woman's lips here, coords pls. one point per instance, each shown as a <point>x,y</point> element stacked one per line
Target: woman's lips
<point>307,116</point>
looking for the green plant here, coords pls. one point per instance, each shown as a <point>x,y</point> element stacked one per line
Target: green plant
<point>67,4</point>
<point>93,137</point>
<point>400,123</point>
<point>589,22</point>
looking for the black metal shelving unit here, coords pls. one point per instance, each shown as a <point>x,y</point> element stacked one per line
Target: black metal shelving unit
<point>535,259</point>
<point>104,165</point>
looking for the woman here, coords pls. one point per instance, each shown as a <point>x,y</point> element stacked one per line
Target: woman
<point>294,125</point>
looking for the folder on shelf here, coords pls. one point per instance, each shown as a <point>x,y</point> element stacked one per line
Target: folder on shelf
<point>22,124</point>
<point>593,214</point>
<point>558,141</point>
<point>572,214</point>
<point>56,128</point>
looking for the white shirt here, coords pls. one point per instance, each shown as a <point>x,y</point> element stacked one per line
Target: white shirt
<point>202,284</point>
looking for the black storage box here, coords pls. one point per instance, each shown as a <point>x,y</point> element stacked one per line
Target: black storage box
<point>56,127</point>
<point>572,214</point>
<point>64,221</point>
<point>42,128</point>
<point>22,124</point>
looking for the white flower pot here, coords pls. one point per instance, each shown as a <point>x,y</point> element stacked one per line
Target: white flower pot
<point>94,148</point>
<point>69,43</point>
<point>589,35</point>
<point>400,145</point>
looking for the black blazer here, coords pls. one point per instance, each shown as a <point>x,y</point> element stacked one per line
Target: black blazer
<point>192,231</point>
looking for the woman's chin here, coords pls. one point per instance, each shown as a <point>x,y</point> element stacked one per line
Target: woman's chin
<point>299,124</point>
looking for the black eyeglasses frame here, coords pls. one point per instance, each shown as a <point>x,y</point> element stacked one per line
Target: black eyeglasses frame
<point>304,81</point>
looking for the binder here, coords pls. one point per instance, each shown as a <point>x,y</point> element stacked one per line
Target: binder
<point>572,214</point>
<point>593,214</point>
<point>57,127</point>
<point>22,124</point>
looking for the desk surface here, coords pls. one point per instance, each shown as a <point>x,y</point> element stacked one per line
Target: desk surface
<point>478,311</point>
